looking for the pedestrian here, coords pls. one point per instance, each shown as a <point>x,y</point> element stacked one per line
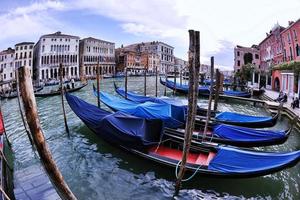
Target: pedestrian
<point>73,83</point>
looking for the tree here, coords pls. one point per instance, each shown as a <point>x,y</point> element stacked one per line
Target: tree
<point>244,74</point>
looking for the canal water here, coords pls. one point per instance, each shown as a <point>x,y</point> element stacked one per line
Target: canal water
<point>96,170</point>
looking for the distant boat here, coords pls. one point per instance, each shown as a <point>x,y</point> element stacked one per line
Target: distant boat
<point>203,90</point>
<point>14,94</point>
<point>144,138</point>
<point>105,76</point>
<point>58,92</point>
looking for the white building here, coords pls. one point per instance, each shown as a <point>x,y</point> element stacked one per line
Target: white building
<point>180,65</point>
<point>91,51</point>
<point>7,64</point>
<point>7,73</point>
<point>24,55</point>
<point>53,49</point>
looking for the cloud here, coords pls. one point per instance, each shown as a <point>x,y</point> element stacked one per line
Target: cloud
<point>27,22</point>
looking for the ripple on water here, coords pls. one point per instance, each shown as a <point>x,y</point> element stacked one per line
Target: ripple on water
<point>96,170</point>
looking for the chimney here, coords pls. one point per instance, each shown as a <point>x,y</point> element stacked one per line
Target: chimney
<point>291,22</point>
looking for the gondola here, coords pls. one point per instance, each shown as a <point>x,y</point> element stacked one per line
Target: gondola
<point>220,133</point>
<point>144,138</point>
<point>202,90</point>
<point>14,94</point>
<point>218,117</point>
<point>57,92</point>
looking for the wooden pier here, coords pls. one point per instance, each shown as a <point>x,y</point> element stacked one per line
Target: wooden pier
<point>32,183</point>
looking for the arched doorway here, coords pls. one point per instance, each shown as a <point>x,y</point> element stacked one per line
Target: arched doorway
<point>277,84</point>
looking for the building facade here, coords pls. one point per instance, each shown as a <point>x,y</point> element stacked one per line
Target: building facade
<point>180,65</point>
<point>53,49</point>
<point>92,50</point>
<point>245,55</point>
<point>136,61</point>
<point>283,80</point>
<point>164,51</point>
<point>24,55</point>
<point>7,67</point>
<point>270,49</point>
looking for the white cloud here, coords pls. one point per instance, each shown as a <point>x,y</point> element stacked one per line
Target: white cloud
<point>27,22</point>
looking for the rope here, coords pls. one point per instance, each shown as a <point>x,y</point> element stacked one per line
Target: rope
<point>189,178</point>
<point>4,193</point>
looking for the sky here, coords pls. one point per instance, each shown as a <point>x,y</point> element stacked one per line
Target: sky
<point>223,24</point>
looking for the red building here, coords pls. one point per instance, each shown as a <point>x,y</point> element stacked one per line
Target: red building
<point>284,80</point>
<point>291,41</point>
<point>270,49</point>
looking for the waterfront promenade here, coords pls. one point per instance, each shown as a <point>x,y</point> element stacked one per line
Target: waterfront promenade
<point>273,95</point>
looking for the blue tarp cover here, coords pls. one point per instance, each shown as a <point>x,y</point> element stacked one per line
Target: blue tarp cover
<point>184,87</point>
<point>233,160</point>
<point>118,127</point>
<point>246,134</point>
<point>236,93</point>
<point>236,117</point>
<point>148,110</point>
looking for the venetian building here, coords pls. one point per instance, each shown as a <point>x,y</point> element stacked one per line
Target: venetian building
<point>7,68</point>
<point>53,49</point>
<point>93,50</point>
<point>24,55</point>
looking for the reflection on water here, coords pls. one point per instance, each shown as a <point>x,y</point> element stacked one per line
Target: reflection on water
<point>96,170</point>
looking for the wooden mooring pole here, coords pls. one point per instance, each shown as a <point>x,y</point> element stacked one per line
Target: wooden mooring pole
<point>98,84</point>
<point>145,81</point>
<point>211,91</point>
<point>166,77</point>
<point>194,66</point>
<point>156,77</point>
<point>62,97</point>
<point>174,91</point>
<point>33,121</point>
<point>218,85</point>
<point>126,77</point>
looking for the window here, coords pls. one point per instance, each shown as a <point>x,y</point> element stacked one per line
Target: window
<point>289,38</point>
<point>17,48</point>
<point>238,53</point>
<point>4,76</point>
<point>51,47</point>
<point>24,62</point>
<point>29,54</point>
<point>297,50</point>
<point>16,56</point>
<point>25,47</point>
<point>21,47</point>
<point>238,63</point>
<point>25,54</point>
<point>21,55</point>
<point>31,47</point>
<point>256,56</point>
<point>10,75</point>
<point>44,39</point>
<point>29,62</point>
<point>43,48</point>
<point>295,34</point>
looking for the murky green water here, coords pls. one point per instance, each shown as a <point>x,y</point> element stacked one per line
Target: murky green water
<point>96,170</point>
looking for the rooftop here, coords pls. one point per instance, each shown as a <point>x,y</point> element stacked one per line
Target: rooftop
<point>59,34</point>
<point>24,43</point>
<point>98,40</point>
